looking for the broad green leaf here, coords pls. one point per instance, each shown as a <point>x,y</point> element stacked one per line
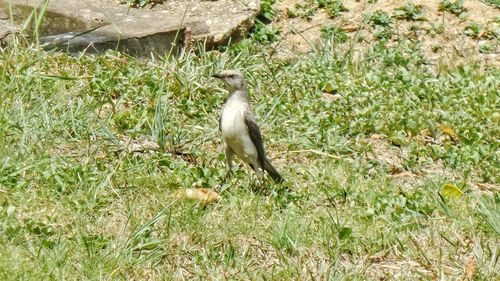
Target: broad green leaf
<point>345,232</point>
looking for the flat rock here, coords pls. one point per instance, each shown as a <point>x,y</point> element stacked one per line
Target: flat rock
<point>60,16</point>
<point>135,33</point>
<point>228,20</point>
<point>97,25</point>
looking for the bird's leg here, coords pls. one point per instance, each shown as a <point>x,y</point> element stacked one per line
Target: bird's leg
<point>259,172</point>
<point>260,176</point>
<point>229,161</point>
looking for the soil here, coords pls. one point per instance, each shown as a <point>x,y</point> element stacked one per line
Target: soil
<point>441,35</point>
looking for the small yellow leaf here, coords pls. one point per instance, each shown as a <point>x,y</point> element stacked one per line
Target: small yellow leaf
<point>203,195</point>
<point>451,191</point>
<point>445,129</point>
<point>329,88</point>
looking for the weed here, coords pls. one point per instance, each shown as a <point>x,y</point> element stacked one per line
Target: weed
<point>494,3</point>
<point>265,34</point>
<point>267,9</point>
<point>487,48</point>
<point>436,28</point>
<point>335,33</point>
<point>379,18</point>
<point>410,11</point>
<point>479,31</point>
<point>303,10</point>
<point>333,8</point>
<point>456,7</point>
<point>308,9</point>
<point>382,22</point>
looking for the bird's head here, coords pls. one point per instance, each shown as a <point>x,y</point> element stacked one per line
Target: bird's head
<point>232,78</point>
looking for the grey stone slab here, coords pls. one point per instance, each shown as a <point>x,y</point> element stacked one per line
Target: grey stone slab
<point>228,20</point>
<point>60,16</point>
<point>97,25</point>
<point>138,36</point>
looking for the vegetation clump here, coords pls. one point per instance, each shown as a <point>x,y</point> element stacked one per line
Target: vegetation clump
<point>456,7</point>
<point>410,11</point>
<point>308,8</point>
<point>382,24</point>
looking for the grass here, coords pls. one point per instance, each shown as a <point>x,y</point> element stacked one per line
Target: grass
<point>74,203</point>
<point>334,32</point>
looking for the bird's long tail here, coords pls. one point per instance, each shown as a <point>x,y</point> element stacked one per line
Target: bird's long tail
<point>272,172</point>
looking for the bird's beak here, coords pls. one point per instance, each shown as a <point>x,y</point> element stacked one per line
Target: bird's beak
<point>217,75</point>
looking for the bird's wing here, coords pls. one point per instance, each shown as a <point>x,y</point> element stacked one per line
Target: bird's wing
<point>255,136</point>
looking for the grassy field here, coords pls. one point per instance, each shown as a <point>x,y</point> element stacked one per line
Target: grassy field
<point>391,162</point>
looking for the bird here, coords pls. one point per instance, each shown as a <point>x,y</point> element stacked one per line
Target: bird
<point>240,131</point>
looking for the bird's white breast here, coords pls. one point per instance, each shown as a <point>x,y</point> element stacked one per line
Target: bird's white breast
<point>234,130</point>
<point>233,120</point>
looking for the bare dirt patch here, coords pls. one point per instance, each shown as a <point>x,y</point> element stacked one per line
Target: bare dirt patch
<point>442,34</point>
